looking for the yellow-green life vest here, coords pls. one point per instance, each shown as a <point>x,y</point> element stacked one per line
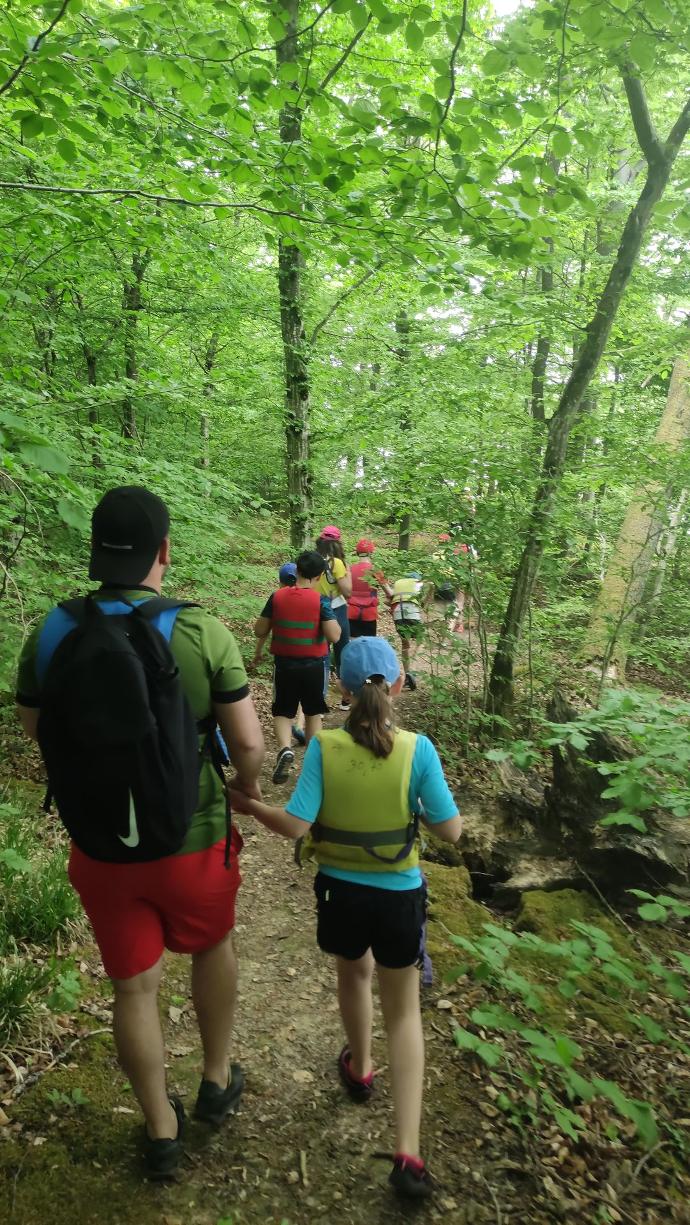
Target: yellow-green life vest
<point>407,591</point>
<point>365,823</point>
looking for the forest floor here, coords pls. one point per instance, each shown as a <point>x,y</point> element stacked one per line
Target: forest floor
<point>299,1152</point>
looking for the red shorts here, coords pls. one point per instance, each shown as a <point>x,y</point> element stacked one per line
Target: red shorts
<point>185,903</point>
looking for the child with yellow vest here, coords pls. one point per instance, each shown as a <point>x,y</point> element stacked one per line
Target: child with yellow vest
<point>408,598</point>
<point>360,796</point>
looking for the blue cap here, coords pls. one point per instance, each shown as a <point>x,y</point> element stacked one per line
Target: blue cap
<point>365,657</point>
<point>414,574</point>
<point>287,571</point>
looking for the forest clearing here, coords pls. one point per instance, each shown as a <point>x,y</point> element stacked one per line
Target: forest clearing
<point>418,272</point>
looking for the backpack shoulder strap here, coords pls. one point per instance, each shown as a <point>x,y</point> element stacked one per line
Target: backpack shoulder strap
<point>57,625</point>
<point>163,613</point>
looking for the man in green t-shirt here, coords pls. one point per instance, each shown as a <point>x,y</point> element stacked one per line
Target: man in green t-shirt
<point>183,902</point>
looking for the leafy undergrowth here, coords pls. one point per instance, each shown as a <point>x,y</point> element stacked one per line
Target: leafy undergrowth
<point>567,1022</point>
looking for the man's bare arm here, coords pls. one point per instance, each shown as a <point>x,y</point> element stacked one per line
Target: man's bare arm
<point>331,631</point>
<point>241,730</point>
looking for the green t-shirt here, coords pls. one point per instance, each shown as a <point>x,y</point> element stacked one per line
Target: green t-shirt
<point>211,670</point>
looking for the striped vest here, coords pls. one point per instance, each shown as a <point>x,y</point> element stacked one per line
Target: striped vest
<point>296,624</point>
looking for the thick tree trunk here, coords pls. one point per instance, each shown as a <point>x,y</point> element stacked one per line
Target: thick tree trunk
<point>402,328</point>
<point>132,304</point>
<point>295,345</point>
<point>660,159</point>
<point>646,520</point>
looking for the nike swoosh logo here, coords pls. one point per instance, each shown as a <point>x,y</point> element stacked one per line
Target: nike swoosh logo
<point>132,838</point>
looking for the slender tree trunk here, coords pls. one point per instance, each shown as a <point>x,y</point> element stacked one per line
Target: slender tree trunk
<point>668,546</point>
<point>683,532</point>
<point>619,602</point>
<point>132,304</point>
<point>208,390</point>
<point>295,345</point>
<point>45,332</point>
<point>660,159</point>
<point>541,356</point>
<point>402,328</point>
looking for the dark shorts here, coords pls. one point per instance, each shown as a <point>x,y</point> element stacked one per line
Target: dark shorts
<point>298,683</point>
<point>413,631</point>
<point>185,903</point>
<point>353,918</point>
<point>362,629</point>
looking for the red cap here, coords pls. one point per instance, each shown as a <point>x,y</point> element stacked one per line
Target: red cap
<point>330,533</point>
<point>443,538</point>
<point>364,546</point>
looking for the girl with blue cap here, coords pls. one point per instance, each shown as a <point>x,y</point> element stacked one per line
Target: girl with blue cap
<point>360,797</point>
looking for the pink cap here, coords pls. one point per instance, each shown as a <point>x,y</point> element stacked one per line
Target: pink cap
<point>330,533</point>
<point>443,538</point>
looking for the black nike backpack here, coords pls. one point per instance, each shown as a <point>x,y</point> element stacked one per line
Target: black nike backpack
<point>119,740</point>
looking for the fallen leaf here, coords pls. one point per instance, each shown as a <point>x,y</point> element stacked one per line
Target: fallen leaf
<point>123,1110</point>
<point>39,1140</point>
<point>175,1014</point>
<point>303,1076</point>
<point>444,1005</point>
<point>3,1118</point>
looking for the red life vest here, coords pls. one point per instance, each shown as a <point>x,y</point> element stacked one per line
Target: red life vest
<point>364,601</point>
<point>296,624</point>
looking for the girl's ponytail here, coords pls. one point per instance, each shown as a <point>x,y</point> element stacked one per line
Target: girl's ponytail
<point>370,723</point>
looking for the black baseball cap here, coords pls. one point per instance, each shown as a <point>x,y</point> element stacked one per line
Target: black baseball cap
<point>127,529</point>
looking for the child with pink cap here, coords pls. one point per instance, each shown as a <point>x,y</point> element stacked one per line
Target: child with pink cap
<point>336,585</point>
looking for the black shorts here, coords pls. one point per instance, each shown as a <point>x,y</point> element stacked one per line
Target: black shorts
<point>298,682</point>
<point>353,918</point>
<point>362,629</point>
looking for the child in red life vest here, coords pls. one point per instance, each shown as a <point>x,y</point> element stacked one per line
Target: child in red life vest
<point>363,604</point>
<point>302,625</point>
<point>360,795</point>
<point>287,577</point>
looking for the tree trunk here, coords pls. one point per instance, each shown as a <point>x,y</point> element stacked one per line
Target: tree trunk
<point>208,390</point>
<point>295,346</point>
<point>91,363</point>
<point>660,159</point>
<point>541,356</point>
<point>402,328</point>
<point>668,546</point>
<point>132,304</point>
<point>638,541</point>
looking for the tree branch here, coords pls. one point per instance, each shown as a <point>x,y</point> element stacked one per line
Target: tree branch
<point>645,131</point>
<point>125,193</point>
<point>678,132</point>
<point>339,302</point>
<point>345,55</point>
<point>451,91</point>
<point>25,60</point>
